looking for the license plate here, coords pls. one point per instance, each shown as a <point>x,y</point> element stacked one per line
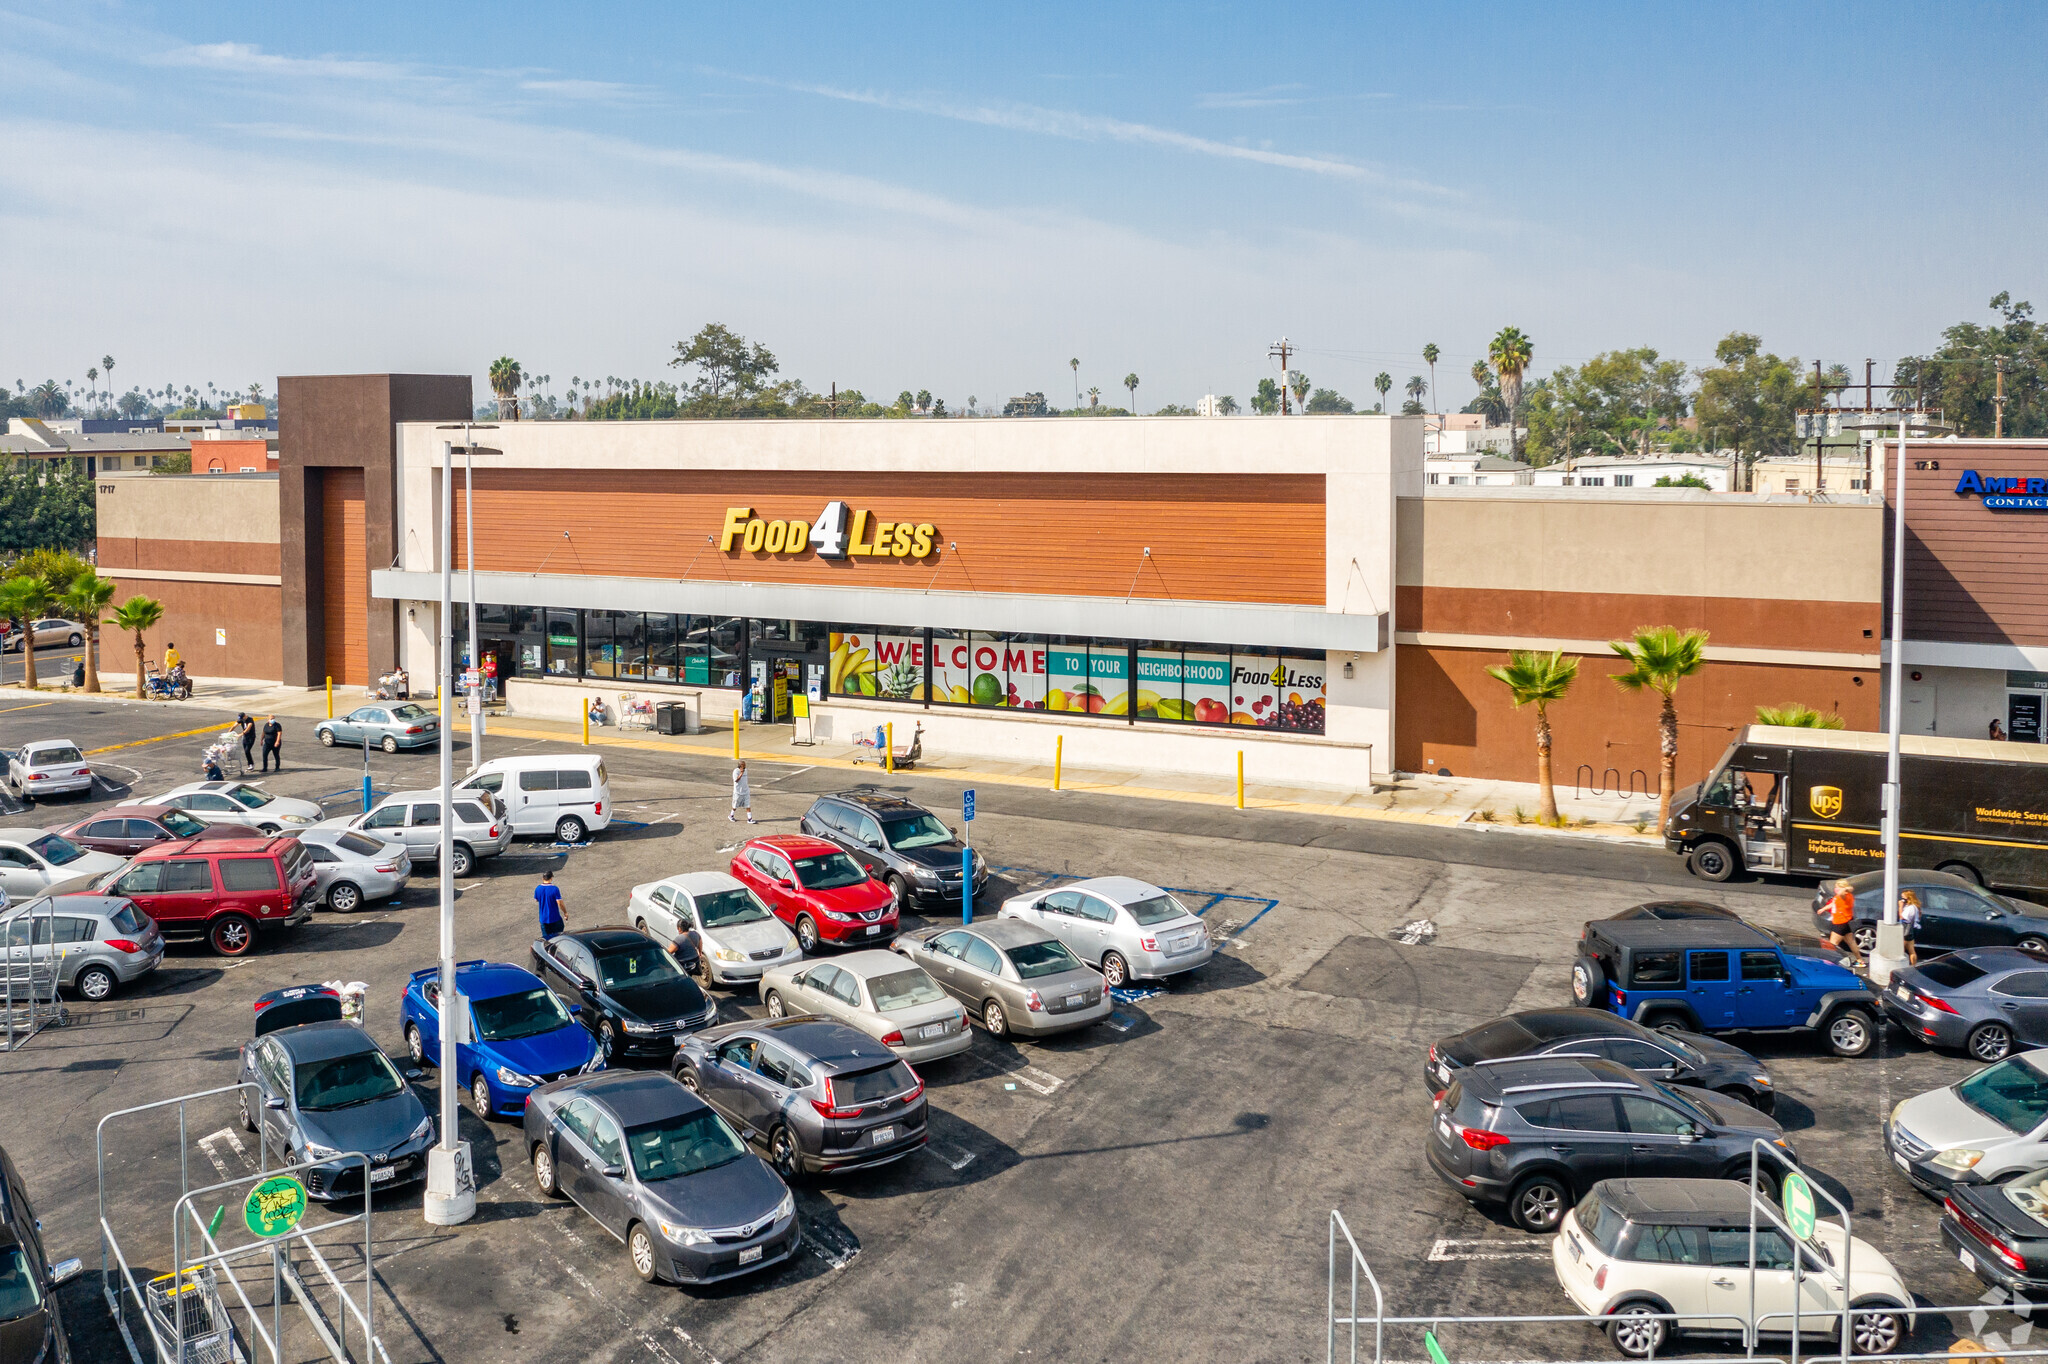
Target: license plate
<point>1969,1260</point>
<point>387,1173</point>
<point>751,1254</point>
<point>1076,1001</point>
<point>1900,1161</point>
<point>1443,1131</point>
<point>872,929</point>
<point>1902,992</point>
<point>881,1135</point>
<point>935,1030</point>
<point>1571,1243</point>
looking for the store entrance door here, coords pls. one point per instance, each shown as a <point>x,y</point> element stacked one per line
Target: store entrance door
<point>2023,716</point>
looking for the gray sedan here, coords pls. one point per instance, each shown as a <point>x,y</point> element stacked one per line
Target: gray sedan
<point>328,1089</point>
<point>389,727</point>
<point>99,942</point>
<point>350,868</point>
<point>1132,929</point>
<point>878,992</point>
<point>1014,976</point>
<point>1988,1001</point>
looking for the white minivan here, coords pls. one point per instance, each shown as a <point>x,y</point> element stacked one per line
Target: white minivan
<point>563,794</point>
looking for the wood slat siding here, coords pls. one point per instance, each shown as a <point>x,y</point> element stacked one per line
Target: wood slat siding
<point>192,556</point>
<point>1213,538</point>
<point>1750,623</point>
<point>344,569</point>
<point>1973,576</point>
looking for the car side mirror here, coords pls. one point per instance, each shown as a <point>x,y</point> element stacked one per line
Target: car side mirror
<point>276,1105</point>
<point>64,1271</point>
<point>1693,1133</point>
<point>614,1172</point>
<point>785,883</point>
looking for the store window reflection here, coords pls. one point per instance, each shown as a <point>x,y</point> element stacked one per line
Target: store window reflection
<point>564,645</point>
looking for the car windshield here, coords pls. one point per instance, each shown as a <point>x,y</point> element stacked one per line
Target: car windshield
<point>357,844</point>
<point>2011,1093</point>
<point>634,966</point>
<point>1156,909</point>
<point>1686,1105</point>
<point>904,989</point>
<point>725,908</point>
<point>917,831</point>
<point>250,797</point>
<point>181,824</point>
<point>126,919</point>
<point>504,1018</point>
<point>1950,972</point>
<point>677,1147</point>
<point>19,1295</point>
<point>345,1081</point>
<point>58,851</point>
<point>408,711</point>
<point>46,757</point>
<point>1035,959</point>
<point>828,871</point>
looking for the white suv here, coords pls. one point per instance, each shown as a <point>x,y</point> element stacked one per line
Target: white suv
<point>1636,1248</point>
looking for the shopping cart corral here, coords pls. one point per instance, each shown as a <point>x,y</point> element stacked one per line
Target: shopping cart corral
<point>28,979</point>
<point>241,1251</point>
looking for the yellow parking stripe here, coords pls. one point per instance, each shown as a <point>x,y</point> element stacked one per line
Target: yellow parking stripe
<point>181,734</point>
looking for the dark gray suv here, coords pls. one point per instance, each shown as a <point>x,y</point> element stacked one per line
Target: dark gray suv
<point>1536,1134</point>
<point>904,846</point>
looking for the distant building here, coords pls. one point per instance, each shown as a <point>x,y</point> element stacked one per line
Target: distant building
<point>1839,470</point>
<point>89,453</point>
<point>1633,471</point>
<point>1208,405</point>
<point>1474,471</point>
<point>1030,405</point>
<point>1465,433</point>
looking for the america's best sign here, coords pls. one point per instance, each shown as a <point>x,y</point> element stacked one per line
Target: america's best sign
<point>838,533</point>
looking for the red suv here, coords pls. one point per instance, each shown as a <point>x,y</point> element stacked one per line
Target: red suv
<point>220,890</point>
<point>817,890</point>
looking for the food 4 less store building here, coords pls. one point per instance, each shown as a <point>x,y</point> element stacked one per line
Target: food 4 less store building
<point>1160,592</point>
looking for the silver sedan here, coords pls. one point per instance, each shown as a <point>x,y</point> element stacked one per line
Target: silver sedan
<point>1132,929</point>
<point>886,997</point>
<point>350,869</point>
<point>737,936</point>
<point>1014,977</point>
<point>391,727</point>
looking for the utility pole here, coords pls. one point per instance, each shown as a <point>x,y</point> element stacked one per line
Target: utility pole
<point>1998,404</point>
<point>1282,348</point>
<point>832,403</point>
<point>1820,434</point>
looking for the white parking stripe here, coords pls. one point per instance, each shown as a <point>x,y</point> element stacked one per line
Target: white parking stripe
<point>1034,1078</point>
<point>1447,1249</point>
<point>829,1244</point>
<point>206,1148</point>
<point>952,1157</point>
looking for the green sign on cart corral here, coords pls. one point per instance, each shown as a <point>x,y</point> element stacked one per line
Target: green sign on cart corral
<point>1799,1206</point>
<point>1436,1351</point>
<point>275,1206</point>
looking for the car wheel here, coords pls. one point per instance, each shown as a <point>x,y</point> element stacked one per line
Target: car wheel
<point>1712,860</point>
<point>390,744</point>
<point>1116,972</point>
<point>480,1095</point>
<point>782,1154</point>
<point>242,1104</point>
<point>1765,1185</point>
<point>232,935</point>
<point>1878,1332</point>
<point>607,1039</point>
<point>544,1170</point>
<point>806,934</point>
<point>94,983</point>
<point>1636,1331</point>
<point>272,830</point>
<point>326,737</point>
<point>569,829</point>
<point>1851,1032</point>
<point>1743,1096</point>
<point>994,1019</point>
<point>899,894</point>
<point>1990,1042</point>
<point>76,640</point>
<point>344,897</point>
<point>687,1077</point>
<point>776,1009</point>
<point>1539,1203</point>
<point>640,1246</point>
<point>1865,938</point>
<point>463,861</point>
<point>416,1047</point>
<point>2033,943</point>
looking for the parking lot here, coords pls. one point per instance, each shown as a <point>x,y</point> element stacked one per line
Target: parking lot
<point>1156,1187</point>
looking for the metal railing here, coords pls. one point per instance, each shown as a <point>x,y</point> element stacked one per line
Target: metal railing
<point>28,992</point>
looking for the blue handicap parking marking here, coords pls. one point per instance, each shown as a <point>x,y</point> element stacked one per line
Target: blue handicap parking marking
<point>1124,994</point>
<point>1256,906</point>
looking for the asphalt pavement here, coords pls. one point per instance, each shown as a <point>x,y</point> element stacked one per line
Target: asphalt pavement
<point>1156,1188</point>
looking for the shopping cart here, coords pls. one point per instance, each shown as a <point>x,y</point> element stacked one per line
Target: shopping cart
<point>209,1336</point>
<point>635,712</point>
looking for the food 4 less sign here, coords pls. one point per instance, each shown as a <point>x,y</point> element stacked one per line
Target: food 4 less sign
<point>838,533</point>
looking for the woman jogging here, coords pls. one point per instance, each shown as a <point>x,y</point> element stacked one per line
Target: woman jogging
<point>1841,918</point>
<point>742,798</point>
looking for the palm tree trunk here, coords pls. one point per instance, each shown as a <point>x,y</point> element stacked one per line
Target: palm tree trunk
<point>138,666</point>
<point>28,654</point>
<point>1667,759</point>
<point>1546,802</point>
<point>92,655</point>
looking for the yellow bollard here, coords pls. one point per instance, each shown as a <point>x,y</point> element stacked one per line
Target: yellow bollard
<point>889,746</point>
<point>330,698</point>
<point>1240,779</point>
<point>1059,743</point>
<point>586,722</point>
<point>735,736</point>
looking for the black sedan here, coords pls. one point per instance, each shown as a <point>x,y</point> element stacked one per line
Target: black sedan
<point>1678,1057</point>
<point>663,1173</point>
<point>2000,1232</point>
<point>627,989</point>
<point>1954,913</point>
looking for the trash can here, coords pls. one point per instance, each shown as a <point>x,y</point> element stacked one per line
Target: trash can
<point>693,712</point>
<point>668,717</point>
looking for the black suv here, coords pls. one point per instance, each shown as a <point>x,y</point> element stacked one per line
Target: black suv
<point>31,1327</point>
<point>904,846</point>
<point>1683,1058</point>
<point>1536,1134</point>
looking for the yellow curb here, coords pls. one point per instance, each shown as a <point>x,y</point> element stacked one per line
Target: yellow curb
<point>181,734</point>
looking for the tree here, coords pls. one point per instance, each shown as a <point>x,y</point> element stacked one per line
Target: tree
<point>505,377</point>
<point>1751,398</point>
<point>1510,352</point>
<point>1298,383</point>
<point>1094,398</point>
<point>135,616</point>
<point>731,375</point>
<point>85,600</point>
<point>92,378</point>
<point>107,367</point>
<point>1538,679</point>
<point>1687,480</point>
<point>1326,400</point>
<point>1075,365</point>
<point>24,600</point>
<point>1382,381</point>
<point>1961,376</point>
<point>1794,715</point>
<point>1266,399</point>
<point>48,400</point>
<point>132,404</point>
<point>924,400</point>
<point>1227,405</point>
<point>1659,658</point>
<point>1131,384</point>
<point>57,567</point>
<point>1429,355</point>
<point>1613,403</point>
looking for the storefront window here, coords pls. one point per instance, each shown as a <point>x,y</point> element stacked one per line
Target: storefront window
<point>726,637</point>
<point>656,661</point>
<point>564,644</point>
<point>600,654</point>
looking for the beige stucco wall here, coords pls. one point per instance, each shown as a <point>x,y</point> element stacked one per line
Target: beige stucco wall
<point>240,508</point>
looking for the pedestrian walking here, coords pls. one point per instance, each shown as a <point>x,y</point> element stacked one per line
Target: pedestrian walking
<point>171,658</point>
<point>548,896</point>
<point>273,743</point>
<point>1909,924</point>
<point>245,725</point>
<point>742,797</point>
<point>1841,917</point>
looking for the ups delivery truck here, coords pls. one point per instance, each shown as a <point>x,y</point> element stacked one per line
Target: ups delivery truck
<point>1808,802</point>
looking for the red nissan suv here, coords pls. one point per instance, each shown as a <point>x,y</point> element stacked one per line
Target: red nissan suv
<point>817,890</point>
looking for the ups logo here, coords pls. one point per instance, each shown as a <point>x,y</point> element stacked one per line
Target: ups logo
<point>1825,800</point>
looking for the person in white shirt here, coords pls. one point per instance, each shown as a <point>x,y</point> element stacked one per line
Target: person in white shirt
<point>742,798</point>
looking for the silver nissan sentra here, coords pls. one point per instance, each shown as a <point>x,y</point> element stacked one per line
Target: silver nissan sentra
<point>1132,929</point>
<point>1015,977</point>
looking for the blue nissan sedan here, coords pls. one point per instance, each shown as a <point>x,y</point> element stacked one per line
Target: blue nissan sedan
<point>520,1035</point>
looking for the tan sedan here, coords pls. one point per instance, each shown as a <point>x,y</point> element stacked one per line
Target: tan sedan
<point>876,991</point>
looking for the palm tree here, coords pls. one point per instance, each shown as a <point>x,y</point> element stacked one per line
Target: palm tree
<point>24,600</point>
<point>1659,658</point>
<point>1131,383</point>
<point>134,616</point>
<point>1793,715</point>
<point>1538,679</point>
<point>505,377</point>
<point>1429,355</point>
<point>1094,397</point>
<point>92,380</point>
<point>1075,365</point>
<point>1510,354</point>
<point>1298,383</point>
<point>86,601</point>
<point>1415,389</point>
<point>1384,382</point>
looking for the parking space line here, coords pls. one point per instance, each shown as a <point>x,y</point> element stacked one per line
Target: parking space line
<point>181,734</point>
<point>829,1244</point>
<point>945,1155</point>
<point>206,1147</point>
<point>1034,1078</point>
<point>1446,1249</point>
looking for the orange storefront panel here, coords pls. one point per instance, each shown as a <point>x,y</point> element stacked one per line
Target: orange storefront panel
<point>346,600</point>
<point>1212,538</point>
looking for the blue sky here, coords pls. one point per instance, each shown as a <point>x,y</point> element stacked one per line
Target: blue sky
<point>961,198</point>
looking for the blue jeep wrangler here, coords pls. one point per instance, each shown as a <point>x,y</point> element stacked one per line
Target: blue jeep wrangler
<point>1720,975</point>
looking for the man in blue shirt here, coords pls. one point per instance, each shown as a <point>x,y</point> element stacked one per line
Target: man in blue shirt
<point>549,896</point>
